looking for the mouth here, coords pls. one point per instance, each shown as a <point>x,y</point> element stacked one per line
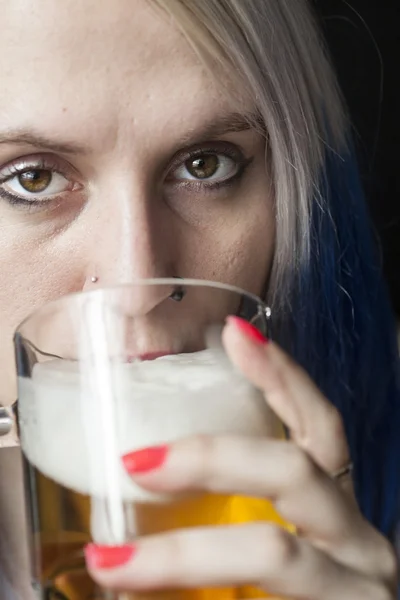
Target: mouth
<point>148,356</point>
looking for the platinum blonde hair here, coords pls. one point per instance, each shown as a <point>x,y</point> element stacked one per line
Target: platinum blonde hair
<point>273,51</point>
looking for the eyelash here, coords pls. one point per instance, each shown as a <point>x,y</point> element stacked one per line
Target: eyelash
<point>38,164</point>
<point>49,164</point>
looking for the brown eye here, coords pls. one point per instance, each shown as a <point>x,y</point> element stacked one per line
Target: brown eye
<point>35,181</point>
<point>209,168</point>
<point>204,166</point>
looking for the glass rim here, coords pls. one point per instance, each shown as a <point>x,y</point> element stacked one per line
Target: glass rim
<point>176,281</point>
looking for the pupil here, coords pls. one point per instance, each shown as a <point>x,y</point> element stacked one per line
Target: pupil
<point>36,180</point>
<point>203,166</point>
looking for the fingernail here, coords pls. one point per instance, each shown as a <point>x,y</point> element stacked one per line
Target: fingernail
<point>248,329</point>
<point>107,557</point>
<point>145,460</point>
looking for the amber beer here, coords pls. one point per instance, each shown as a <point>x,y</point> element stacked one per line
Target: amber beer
<point>62,528</point>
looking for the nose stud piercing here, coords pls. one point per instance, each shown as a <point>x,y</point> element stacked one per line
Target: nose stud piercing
<point>179,292</point>
<point>94,279</point>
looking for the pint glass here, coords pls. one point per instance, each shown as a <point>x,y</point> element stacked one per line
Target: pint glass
<point>109,371</point>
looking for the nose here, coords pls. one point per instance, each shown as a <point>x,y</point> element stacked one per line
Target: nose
<point>134,237</point>
<point>131,238</point>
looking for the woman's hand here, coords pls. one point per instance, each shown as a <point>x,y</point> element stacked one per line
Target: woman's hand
<point>336,554</point>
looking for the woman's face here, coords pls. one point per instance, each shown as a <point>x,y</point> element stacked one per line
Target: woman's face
<point>119,158</point>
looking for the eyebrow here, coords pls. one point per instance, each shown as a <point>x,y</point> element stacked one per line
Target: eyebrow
<point>223,125</point>
<point>30,138</point>
<point>229,123</point>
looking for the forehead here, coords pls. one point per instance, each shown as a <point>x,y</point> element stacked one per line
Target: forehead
<point>89,33</point>
<point>97,57</point>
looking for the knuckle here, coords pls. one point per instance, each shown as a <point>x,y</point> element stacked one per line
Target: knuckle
<point>381,592</point>
<point>334,418</point>
<point>278,547</point>
<point>174,556</point>
<point>388,562</point>
<point>280,379</point>
<point>203,449</point>
<point>301,467</point>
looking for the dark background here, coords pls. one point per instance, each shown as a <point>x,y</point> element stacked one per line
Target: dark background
<point>364,40</point>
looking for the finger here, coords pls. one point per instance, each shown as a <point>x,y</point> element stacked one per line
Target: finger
<point>314,423</point>
<point>260,555</point>
<point>301,492</point>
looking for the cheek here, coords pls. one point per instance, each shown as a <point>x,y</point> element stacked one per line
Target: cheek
<point>238,251</point>
<point>31,274</point>
<point>245,260</point>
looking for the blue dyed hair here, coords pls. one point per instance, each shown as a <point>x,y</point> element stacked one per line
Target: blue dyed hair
<point>342,330</point>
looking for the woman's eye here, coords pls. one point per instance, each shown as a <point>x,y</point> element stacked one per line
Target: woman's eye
<point>207,167</point>
<point>34,183</point>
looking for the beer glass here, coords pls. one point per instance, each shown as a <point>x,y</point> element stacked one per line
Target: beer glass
<point>109,371</point>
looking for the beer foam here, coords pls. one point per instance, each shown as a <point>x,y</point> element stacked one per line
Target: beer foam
<point>65,436</point>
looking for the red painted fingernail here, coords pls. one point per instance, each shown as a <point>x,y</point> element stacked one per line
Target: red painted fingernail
<point>147,459</point>
<point>108,557</point>
<point>248,329</point>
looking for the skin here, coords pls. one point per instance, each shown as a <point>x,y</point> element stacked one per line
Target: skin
<point>119,85</point>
